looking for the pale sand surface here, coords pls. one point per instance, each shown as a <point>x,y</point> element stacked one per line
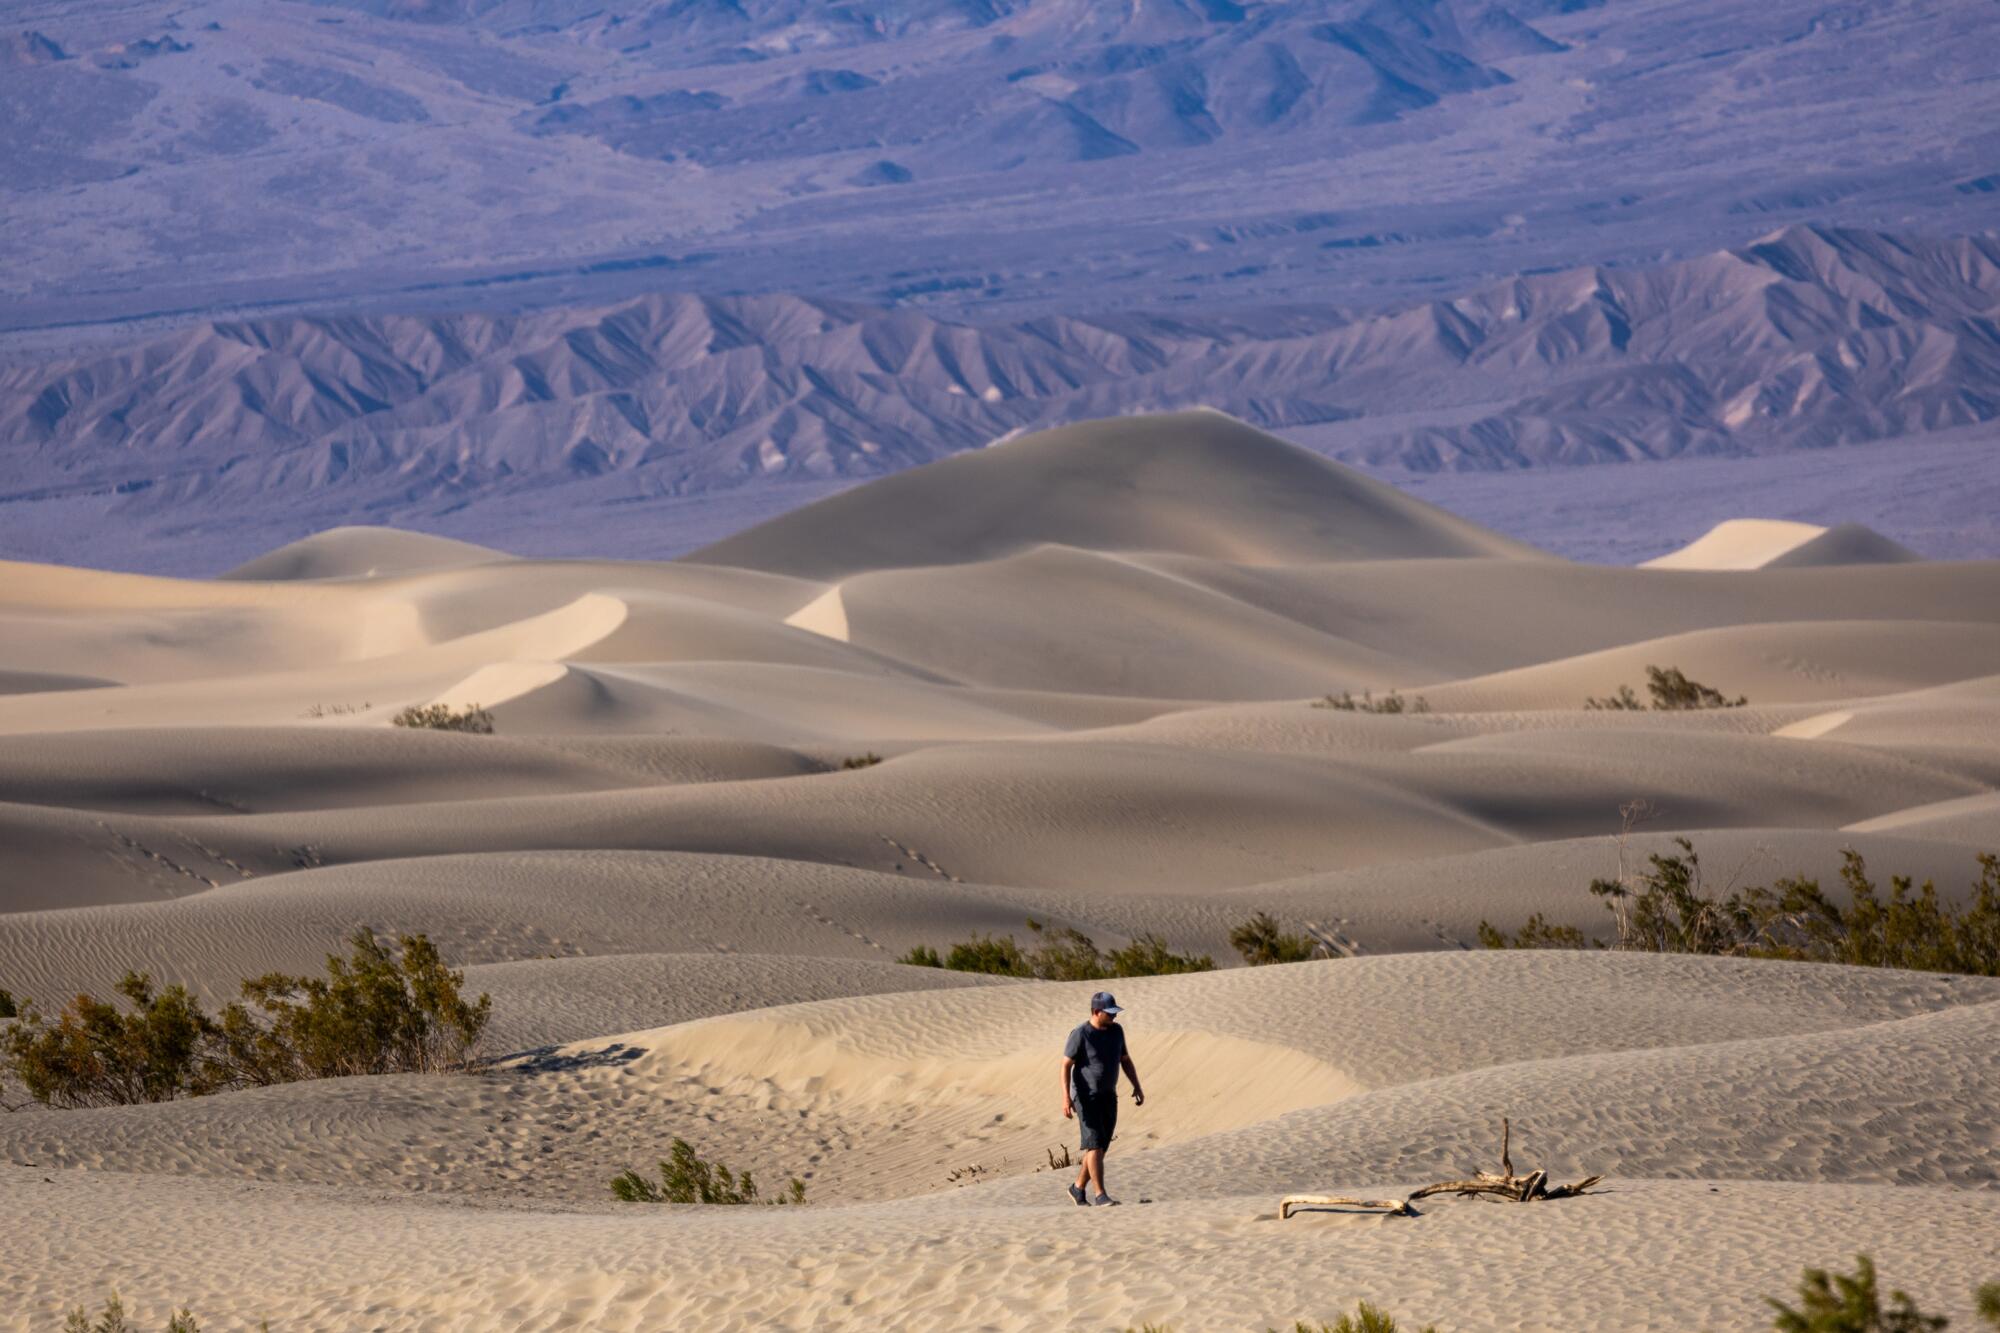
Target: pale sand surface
<point>1086,661</point>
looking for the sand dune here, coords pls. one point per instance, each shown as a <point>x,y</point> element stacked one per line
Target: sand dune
<point>1412,1096</point>
<point>1071,679</point>
<point>1769,543</point>
<point>1206,485</point>
<point>1769,663</point>
<point>362,553</point>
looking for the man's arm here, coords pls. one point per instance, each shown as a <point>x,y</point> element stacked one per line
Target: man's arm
<point>1069,1108</point>
<point>1132,1072</point>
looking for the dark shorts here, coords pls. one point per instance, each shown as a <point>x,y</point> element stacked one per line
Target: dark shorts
<point>1097,1117</point>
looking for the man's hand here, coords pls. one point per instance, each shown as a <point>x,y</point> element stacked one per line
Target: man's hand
<point>1069,1109</point>
<point>1138,1096</point>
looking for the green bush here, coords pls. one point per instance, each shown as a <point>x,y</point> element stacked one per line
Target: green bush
<point>1538,933</point>
<point>1668,910</point>
<point>1149,956</point>
<point>1671,691</point>
<point>982,953</point>
<point>92,1054</point>
<point>443,717</point>
<point>1261,941</point>
<point>1060,954</point>
<point>686,1177</point>
<point>1391,703</point>
<point>1365,1319</point>
<point>1837,1303</point>
<point>1622,700</point>
<point>7,1006</point>
<point>375,1012</point>
<point>113,1320</point>
<point>868,760</point>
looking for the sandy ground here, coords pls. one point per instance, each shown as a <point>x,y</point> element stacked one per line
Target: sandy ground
<point>1087,662</point>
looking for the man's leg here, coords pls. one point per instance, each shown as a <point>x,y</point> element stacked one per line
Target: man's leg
<point>1093,1165</point>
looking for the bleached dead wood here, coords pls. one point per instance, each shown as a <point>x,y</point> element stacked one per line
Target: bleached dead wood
<point>1394,1206</point>
<point>1506,1185</point>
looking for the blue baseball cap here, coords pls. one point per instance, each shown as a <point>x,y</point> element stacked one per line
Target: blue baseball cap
<point>1103,1001</point>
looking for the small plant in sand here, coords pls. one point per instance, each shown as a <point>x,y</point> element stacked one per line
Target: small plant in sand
<point>377,1011</point>
<point>1671,692</point>
<point>112,1320</point>
<point>1059,953</point>
<point>7,1006</point>
<point>1390,703</point>
<point>1839,1303</point>
<point>1366,1318</point>
<point>687,1177</point>
<point>337,710</point>
<point>443,717</point>
<point>1668,909</point>
<point>1261,941</point>
<point>855,761</point>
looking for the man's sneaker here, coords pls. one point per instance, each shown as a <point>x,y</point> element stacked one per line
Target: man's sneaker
<point>1082,1199</point>
<point>1105,1201</point>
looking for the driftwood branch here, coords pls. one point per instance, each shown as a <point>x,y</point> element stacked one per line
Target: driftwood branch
<point>1506,1185</point>
<point>1292,1202</point>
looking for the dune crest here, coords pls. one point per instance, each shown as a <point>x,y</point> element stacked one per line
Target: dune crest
<point>362,552</point>
<point>1190,483</point>
<point>1770,543</point>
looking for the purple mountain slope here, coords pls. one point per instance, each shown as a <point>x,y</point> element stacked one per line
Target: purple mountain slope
<point>1807,338</point>
<point>412,261</point>
<point>1049,155</point>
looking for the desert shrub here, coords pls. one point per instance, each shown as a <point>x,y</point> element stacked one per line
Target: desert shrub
<point>1365,1319</point>
<point>1065,954</point>
<point>1149,956</point>
<point>1667,909</point>
<point>1060,953</point>
<point>983,953</point>
<point>1538,933</point>
<point>112,1320</point>
<point>1392,702</point>
<point>443,717</point>
<point>1987,1301</point>
<point>375,1012</point>
<point>854,761</point>
<point>1671,691</point>
<point>1838,1303</point>
<point>1261,941</point>
<point>7,1006</point>
<point>687,1177</point>
<point>94,1054</point>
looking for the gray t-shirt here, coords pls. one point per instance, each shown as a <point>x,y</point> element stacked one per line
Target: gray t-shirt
<point>1097,1052</point>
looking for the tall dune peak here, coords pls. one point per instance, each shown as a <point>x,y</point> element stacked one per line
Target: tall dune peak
<point>1198,483</point>
<point>362,552</point>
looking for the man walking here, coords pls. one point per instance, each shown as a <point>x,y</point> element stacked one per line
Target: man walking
<point>1092,1058</point>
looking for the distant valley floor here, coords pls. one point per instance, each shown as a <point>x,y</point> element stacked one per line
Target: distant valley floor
<point>1938,495</point>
